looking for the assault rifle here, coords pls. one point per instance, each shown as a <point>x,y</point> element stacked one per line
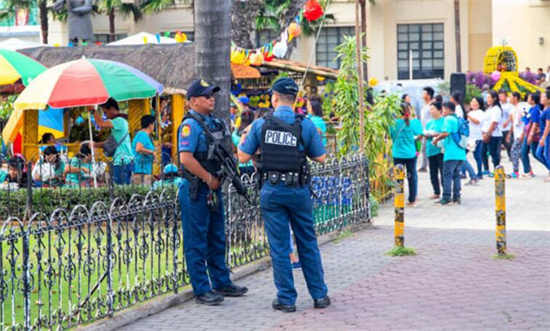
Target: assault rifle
<point>219,153</point>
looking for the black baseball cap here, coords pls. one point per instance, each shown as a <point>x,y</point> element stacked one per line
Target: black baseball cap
<point>285,86</point>
<point>200,88</point>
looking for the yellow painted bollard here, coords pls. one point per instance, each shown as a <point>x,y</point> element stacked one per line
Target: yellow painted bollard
<point>399,204</point>
<point>500,204</point>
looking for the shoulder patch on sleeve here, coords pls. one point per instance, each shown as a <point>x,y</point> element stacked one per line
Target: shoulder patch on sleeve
<point>186,131</point>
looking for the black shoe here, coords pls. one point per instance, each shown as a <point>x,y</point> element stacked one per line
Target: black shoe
<point>209,299</point>
<point>456,201</point>
<point>284,308</point>
<point>443,202</point>
<point>232,291</point>
<point>322,303</point>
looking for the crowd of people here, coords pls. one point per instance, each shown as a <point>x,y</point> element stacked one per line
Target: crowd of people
<point>446,132</point>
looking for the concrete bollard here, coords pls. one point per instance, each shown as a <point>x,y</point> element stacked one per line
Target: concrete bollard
<point>399,204</point>
<point>500,210</point>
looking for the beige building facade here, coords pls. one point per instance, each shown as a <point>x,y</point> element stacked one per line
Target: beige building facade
<point>396,30</point>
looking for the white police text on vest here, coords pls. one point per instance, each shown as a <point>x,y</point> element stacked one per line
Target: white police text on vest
<point>280,138</point>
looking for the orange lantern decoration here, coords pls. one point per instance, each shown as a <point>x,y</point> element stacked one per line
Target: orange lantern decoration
<point>312,10</point>
<point>294,29</point>
<point>256,59</point>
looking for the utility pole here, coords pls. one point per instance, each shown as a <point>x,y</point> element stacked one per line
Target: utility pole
<point>457,37</point>
<point>360,78</point>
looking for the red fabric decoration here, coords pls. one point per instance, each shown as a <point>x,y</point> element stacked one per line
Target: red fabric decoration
<point>312,10</point>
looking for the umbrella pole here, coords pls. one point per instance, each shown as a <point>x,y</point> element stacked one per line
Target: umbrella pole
<point>92,145</point>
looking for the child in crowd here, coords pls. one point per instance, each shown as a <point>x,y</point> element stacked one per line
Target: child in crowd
<point>50,170</point>
<point>16,173</point>
<point>170,178</point>
<point>79,169</point>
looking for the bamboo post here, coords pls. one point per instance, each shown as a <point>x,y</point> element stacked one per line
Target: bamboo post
<point>500,204</point>
<point>178,111</point>
<point>360,74</point>
<point>30,133</point>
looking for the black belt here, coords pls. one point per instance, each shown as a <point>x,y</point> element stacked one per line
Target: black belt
<point>289,178</point>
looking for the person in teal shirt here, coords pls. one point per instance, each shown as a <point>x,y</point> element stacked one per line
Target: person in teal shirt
<point>453,157</point>
<point>315,113</point>
<point>143,150</point>
<point>123,158</point>
<point>50,170</point>
<point>404,133</point>
<point>435,153</point>
<point>246,119</point>
<point>170,178</point>
<point>79,169</point>
<point>3,173</point>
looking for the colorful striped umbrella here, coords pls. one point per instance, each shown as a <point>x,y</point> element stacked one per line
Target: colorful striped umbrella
<point>87,82</point>
<point>15,66</point>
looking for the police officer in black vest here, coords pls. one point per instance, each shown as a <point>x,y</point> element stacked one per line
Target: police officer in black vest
<point>286,140</point>
<point>202,211</point>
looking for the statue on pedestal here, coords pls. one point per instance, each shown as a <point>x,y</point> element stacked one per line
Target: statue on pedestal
<point>79,19</point>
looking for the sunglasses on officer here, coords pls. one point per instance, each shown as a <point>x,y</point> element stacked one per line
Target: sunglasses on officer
<point>207,96</point>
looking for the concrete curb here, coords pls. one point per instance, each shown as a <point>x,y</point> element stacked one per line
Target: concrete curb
<point>166,301</point>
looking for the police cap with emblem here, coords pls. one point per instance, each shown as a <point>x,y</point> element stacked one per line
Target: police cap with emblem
<point>201,88</point>
<point>285,86</point>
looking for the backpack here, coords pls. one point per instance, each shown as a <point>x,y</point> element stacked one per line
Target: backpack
<point>110,146</point>
<point>461,136</point>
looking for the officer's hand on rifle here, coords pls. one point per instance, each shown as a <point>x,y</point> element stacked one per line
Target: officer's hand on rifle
<point>213,182</point>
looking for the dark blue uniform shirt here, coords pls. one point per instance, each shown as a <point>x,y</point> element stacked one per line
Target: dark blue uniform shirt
<point>310,136</point>
<point>191,136</point>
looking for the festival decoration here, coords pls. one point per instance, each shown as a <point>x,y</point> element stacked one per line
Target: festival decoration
<point>320,78</point>
<point>505,58</point>
<point>495,75</point>
<point>180,37</point>
<point>280,49</point>
<point>257,59</point>
<point>312,10</point>
<point>145,39</point>
<point>373,82</point>
<point>15,66</point>
<point>294,30</point>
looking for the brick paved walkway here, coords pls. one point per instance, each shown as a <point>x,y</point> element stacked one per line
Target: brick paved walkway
<point>452,284</point>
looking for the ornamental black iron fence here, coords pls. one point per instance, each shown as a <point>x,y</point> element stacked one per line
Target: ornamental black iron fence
<point>68,266</point>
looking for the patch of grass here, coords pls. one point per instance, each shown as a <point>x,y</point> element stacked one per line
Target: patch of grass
<point>401,251</point>
<point>504,256</point>
<point>343,235</point>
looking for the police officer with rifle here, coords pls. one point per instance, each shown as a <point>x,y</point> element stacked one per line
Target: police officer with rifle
<point>205,159</point>
<point>286,140</point>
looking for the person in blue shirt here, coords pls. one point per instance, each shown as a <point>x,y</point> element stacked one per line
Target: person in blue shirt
<point>143,150</point>
<point>404,134</point>
<point>435,153</point>
<point>543,150</point>
<point>285,140</point>
<point>452,158</point>
<point>200,198</point>
<point>531,139</point>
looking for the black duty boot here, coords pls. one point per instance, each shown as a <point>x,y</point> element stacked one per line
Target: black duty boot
<point>209,299</point>
<point>232,291</point>
<point>322,303</point>
<point>284,308</point>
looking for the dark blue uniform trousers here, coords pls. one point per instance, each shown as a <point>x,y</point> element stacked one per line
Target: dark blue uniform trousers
<point>203,240</point>
<point>282,206</point>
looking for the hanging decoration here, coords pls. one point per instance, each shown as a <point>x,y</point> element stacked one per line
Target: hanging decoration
<point>180,37</point>
<point>373,82</point>
<point>280,49</point>
<point>311,11</point>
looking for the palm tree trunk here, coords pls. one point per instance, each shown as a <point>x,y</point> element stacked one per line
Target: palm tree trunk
<point>43,12</point>
<point>112,24</point>
<point>213,47</point>
<point>457,36</point>
<point>243,21</point>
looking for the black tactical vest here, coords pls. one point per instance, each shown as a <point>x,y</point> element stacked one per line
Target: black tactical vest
<point>211,135</point>
<point>280,145</point>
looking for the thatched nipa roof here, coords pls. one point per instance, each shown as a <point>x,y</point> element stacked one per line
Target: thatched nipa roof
<point>172,65</point>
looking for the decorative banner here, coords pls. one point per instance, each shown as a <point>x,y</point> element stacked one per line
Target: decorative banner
<point>311,11</point>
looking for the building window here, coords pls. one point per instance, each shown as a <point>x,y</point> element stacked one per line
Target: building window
<point>329,38</point>
<point>104,37</point>
<point>266,36</point>
<point>426,41</point>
